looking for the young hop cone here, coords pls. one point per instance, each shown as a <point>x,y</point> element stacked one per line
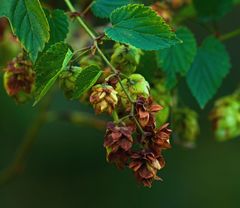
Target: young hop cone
<point>136,85</point>
<point>186,126</point>
<point>103,98</point>
<point>126,58</point>
<point>67,81</point>
<point>163,97</point>
<point>225,117</point>
<point>19,79</point>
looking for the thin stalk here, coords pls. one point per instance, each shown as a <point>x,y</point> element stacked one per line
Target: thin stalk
<point>79,19</point>
<point>230,35</point>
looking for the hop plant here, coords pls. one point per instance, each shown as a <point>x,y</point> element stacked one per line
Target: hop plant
<point>19,79</point>
<point>225,117</point>
<point>186,126</point>
<point>126,58</point>
<point>103,98</point>
<point>136,85</point>
<point>67,81</point>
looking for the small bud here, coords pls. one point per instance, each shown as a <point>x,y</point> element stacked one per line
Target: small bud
<point>67,81</point>
<point>136,85</point>
<point>103,98</point>
<point>126,58</point>
<point>19,79</point>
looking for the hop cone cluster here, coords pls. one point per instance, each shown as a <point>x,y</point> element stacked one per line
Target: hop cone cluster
<point>225,117</point>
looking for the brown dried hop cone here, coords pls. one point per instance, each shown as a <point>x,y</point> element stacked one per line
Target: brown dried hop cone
<point>225,117</point>
<point>103,98</point>
<point>118,142</point>
<point>145,109</point>
<point>145,166</point>
<point>19,79</point>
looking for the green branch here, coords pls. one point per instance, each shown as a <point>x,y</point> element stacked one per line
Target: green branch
<point>230,35</point>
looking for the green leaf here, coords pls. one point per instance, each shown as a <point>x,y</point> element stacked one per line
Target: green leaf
<point>140,26</point>
<point>103,8</point>
<point>86,79</point>
<point>149,71</point>
<point>211,65</point>
<point>59,26</point>
<point>28,22</point>
<point>48,67</point>
<point>178,58</point>
<point>209,10</point>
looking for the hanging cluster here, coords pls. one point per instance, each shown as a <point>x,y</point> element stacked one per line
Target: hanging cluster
<point>132,140</point>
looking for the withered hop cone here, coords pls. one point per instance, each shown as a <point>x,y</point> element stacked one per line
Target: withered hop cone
<point>19,79</point>
<point>186,126</point>
<point>145,166</point>
<point>118,142</point>
<point>103,98</point>
<point>225,117</point>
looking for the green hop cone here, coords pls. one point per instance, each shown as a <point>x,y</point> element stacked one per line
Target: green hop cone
<point>126,58</point>
<point>136,86</point>
<point>67,81</point>
<point>163,97</point>
<point>186,126</point>
<point>225,117</point>
<point>19,79</point>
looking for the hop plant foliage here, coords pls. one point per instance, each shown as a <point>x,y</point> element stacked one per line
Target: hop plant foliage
<point>130,68</point>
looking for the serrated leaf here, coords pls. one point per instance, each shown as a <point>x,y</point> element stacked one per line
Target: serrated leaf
<point>103,8</point>
<point>209,10</point>
<point>49,66</point>
<point>28,22</point>
<point>86,79</point>
<point>177,59</point>
<point>211,65</point>
<point>59,26</point>
<point>140,26</point>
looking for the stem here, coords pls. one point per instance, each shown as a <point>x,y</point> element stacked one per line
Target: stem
<point>14,168</point>
<point>79,19</point>
<point>87,8</point>
<point>115,116</point>
<point>230,35</point>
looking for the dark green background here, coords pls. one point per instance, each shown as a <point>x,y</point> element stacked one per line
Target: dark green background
<point>67,169</point>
